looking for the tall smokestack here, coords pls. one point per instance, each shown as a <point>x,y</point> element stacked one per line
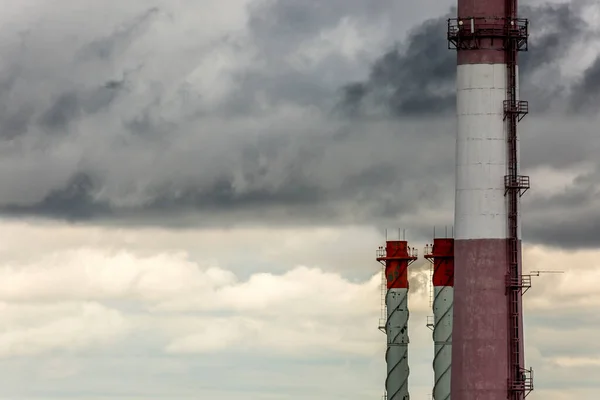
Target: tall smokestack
<point>441,254</point>
<point>487,351</point>
<point>396,257</point>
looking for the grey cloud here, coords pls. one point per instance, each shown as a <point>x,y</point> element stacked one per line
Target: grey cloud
<point>294,20</point>
<point>118,41</point>
<point>575,231</point>
<point>418,77</point>
<point>282,182</point>
<point>16,123</point>
<point>73,202</point>
<point>167,161</point>
<point>288,35</point>
<point>143,142</point>
<point>558,141</point>
<point>586,93</point>
<point>59,100</point>
<point>65,109</point>
<point>554,29</point>
<point>569,219</point>
<point>71,105</point>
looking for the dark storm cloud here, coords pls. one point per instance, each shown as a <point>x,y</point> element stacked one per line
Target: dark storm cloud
<point>414,80</point>
<point>418,77</point>
<point>586,93</point>
<point>106,47</point>
<point>554,29</point>
<point>72,202</point>
<point>569,219</point>
<point>71,102</point>
<point>214,162</point>
<point>575,224</point>
<point>280,28</point>
<point>16,123</point>
<point>69,106</point>
<point>64,109</point>
<point>127,130</point>
<point>364,194</point>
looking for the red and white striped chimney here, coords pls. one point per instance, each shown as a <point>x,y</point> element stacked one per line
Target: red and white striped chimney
<point>487,343</point>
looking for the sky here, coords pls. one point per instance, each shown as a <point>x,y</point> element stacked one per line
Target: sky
<point>192,194</point>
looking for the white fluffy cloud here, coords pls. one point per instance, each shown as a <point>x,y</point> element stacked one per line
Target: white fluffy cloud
<point>200,307</point>
<point>29,330</point>
<point>111,297</point>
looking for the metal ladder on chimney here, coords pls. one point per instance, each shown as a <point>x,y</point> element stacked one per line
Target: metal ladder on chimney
<point>520,382</point>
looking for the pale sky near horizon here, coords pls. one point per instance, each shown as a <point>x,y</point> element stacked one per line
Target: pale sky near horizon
<point>192,193</point>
